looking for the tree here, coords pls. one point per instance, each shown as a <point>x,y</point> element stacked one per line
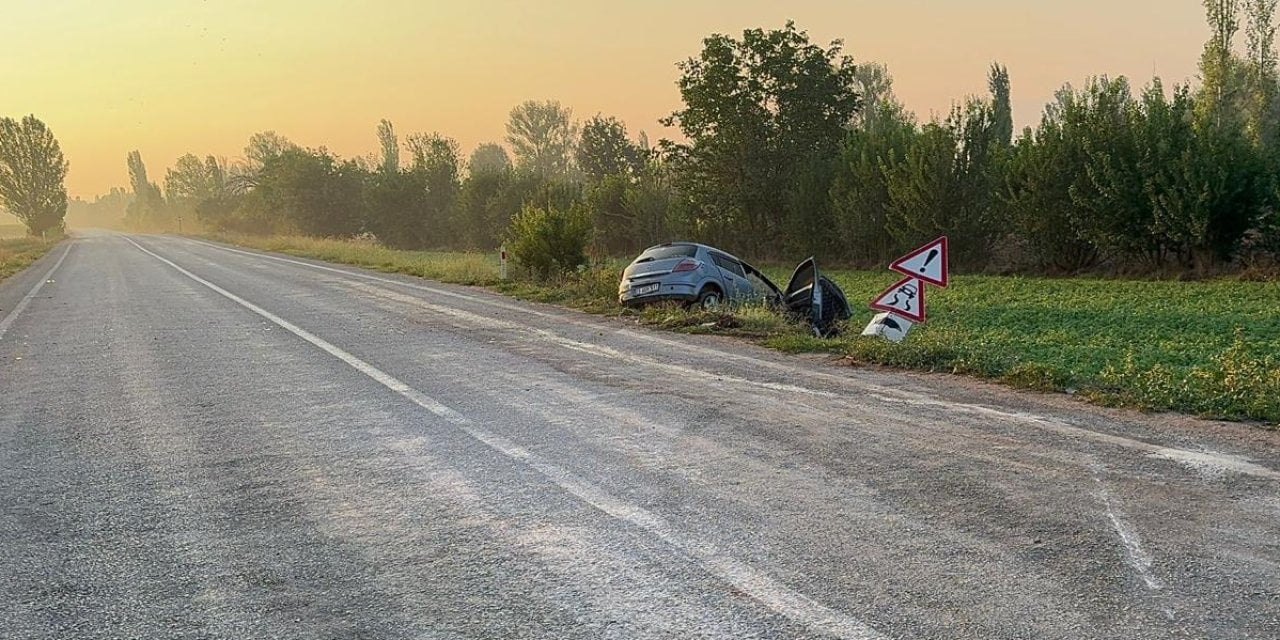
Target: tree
<point>946,182</point>
<point>478,222</point>
<point>1043,167</point>
<point>475,213</point>
<point>190,180</point>
<point>435,164</point>
<point>860,197</point>
<point>652,204</point>
<point>1112,208</point>
<point>489,158</point>
<point>548,241</point>
<point>1159,180</point>
<point>605,203</point>
<point>106,210</point>
<point>1222,77</point>
<point>215,211</point>
<point>395,209</point>
<point>1263,119</point>
<point>542,135</point>
<point>216,170</point>
<point>1205,182</point>
<point>148,207</point>
<point>1002,109</point>
<point>874,85</point>
<point>390,147</point>
<point>605,150</point>
<point>309,191</point>
<point>32,174</point>
<point>264,146</point>
<point>756,110</point>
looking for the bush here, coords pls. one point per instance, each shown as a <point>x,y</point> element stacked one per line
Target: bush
<point>549,241</point>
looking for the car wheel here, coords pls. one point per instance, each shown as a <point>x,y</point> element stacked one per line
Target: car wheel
<point>709,300</point>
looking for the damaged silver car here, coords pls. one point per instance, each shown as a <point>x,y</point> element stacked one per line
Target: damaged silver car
<point>696,275</point>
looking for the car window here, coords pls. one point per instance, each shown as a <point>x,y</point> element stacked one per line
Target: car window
<point>728,264</point>
<point>668,252</point>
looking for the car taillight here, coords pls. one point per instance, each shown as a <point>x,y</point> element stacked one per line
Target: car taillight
<point>686,265</point>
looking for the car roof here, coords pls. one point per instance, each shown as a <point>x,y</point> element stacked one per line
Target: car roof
<point>695,244</point>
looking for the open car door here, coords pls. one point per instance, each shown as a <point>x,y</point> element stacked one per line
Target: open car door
<point>816,298</point>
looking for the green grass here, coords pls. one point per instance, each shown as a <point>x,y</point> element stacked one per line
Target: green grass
<point>1207,348</point>
<point>17,253</point>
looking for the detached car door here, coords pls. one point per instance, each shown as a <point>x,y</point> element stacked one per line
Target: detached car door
<point>816,298</point>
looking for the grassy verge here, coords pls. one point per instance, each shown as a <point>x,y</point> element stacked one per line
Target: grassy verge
<point>18,253</point>
<point>1206,348</point>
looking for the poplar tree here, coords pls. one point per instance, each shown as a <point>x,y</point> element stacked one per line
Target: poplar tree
<point>1220,70</point>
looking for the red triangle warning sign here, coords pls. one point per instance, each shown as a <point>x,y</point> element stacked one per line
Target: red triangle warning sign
<point>905,300</point>
<point>928,263</point>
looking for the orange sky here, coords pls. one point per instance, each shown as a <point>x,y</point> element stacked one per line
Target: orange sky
<point>178,76</point>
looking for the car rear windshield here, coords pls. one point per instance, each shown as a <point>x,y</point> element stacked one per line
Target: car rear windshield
<point>667,252</point>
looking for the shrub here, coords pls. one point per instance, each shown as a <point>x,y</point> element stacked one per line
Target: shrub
<point>549,241</point>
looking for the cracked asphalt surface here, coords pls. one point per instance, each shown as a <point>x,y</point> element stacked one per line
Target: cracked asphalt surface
<point>198,441</point>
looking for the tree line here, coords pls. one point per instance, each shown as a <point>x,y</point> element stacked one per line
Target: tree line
<point>791,149</point>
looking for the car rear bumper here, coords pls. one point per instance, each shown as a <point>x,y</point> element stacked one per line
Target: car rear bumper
<point>676,292</point>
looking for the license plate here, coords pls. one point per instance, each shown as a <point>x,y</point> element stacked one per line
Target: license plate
<point>644,289</point>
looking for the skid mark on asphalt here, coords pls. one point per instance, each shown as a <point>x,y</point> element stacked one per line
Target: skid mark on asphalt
<point>760,586</point>
<point>1196,461</point>
<point>1134,553</point>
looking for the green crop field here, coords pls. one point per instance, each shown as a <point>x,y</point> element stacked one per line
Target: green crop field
<point>1208,348</point>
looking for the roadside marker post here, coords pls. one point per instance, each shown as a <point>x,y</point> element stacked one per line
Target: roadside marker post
<point>904,304</point>
<point>502,253</point>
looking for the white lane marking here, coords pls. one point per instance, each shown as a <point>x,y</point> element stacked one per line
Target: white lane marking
<point>888,394</point>
<point>760,586</point>
<point>26,300</point>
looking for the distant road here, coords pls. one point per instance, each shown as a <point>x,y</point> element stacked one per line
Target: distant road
<point>198,441</point>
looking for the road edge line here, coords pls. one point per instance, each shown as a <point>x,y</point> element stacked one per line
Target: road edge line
<point>17,310</point>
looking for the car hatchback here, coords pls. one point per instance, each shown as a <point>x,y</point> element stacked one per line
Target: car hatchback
<point>700,276</point>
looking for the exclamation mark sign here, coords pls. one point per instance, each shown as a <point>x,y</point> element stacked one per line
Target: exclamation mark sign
<point>933,253</point>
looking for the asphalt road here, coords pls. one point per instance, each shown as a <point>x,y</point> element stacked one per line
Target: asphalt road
<point>202,442</point>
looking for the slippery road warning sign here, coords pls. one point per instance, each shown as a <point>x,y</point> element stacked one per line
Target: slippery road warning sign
<point>928,263</point>
<point>905,300</point>
<point>903,303</point>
